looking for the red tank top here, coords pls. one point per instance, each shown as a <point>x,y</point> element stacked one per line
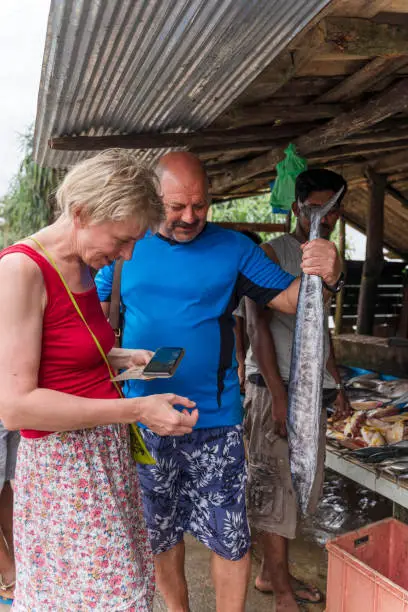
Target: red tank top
<point>70,360</point>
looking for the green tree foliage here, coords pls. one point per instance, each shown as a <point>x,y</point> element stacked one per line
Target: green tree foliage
<point>257,210</point>
<point>248,210</point>
<point>28,204</point>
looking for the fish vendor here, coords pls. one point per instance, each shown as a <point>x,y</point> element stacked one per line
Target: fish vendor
<point>180,288</point>
<point>272,506</point>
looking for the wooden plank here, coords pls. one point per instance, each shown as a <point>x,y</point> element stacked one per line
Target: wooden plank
<point>363,79</point>
<point>392,101</point>
<point>334,154</point>
<point>324,68</point>
<point>375,110</point>
<point>253,227</point>
<point>269,113</point>
<point>374,255</point>
<point>371,353</point>
<point>397,195</point>
<point>402,331</point>
<point>379,135</point>
<point>363,37</point>
<point>367,8</point>
<point>353,150</point>
<point>197,140</point>
<point>391,163</point>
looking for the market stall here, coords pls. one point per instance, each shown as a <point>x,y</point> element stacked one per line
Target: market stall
<point>371,445</point>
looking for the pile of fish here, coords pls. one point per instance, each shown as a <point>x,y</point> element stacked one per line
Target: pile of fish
<point>391,459</point>
<point>380,412</point>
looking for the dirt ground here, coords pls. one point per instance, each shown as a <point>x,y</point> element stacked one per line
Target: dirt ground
<point>308,562</point>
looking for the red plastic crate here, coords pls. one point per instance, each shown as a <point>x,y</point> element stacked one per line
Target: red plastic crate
<point>368,569</point>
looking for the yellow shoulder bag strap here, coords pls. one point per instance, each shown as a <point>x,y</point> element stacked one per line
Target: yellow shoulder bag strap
<point>138,448</point>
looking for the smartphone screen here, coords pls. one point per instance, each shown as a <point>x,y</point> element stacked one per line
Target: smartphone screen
<point>164,362</point>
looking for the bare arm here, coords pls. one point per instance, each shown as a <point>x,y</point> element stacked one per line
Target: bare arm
<point>342,404</point>
<point>263,346</point>
<point>331,365</point>
<point>320,257</point>
<point>239,330</point>
<point>106,308</point>
<point>22,403</point>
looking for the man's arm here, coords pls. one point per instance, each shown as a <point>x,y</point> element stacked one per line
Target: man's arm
<point>263,346</point>
<point>342,404</point>
<point>320,257</point>
<point>239,330</point>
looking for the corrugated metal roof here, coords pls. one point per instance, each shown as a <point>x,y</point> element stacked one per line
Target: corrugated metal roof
<point>120,66</point>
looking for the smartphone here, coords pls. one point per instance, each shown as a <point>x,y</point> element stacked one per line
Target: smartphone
<point>164,362</point>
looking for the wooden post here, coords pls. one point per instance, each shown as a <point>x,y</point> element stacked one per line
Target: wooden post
<point>374,254</point>
<point>402,331</point>
<point>340,296</point>
<point>288,221</point>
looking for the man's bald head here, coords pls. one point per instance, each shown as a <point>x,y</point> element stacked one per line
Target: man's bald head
<point>183,167</point>
<point>184,187</point>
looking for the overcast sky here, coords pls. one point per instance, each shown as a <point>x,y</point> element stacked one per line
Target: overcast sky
<point>23,26</point>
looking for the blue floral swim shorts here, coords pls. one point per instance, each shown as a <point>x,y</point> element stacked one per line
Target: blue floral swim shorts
<point>197,486</point>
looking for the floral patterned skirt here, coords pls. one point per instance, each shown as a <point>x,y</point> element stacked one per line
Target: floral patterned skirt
<point>80,536</point>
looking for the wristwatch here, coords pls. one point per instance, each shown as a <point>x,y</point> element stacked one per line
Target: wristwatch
<point>337,287</point>
<point>339,386</point>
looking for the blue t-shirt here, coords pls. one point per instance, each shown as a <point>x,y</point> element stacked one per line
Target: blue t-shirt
<point>183,294</point>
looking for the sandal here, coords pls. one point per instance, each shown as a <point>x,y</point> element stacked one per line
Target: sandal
<point>299,585</point>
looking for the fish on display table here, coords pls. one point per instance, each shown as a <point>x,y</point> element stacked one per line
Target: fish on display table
<point>306,372</point>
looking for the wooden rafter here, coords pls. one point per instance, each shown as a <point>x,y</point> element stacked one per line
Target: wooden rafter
<point>363,79</point>
<point>397,195</point>
<point>391,163</point>
<point>363,37</point>
<point>392,101</point>
<point>194,140</point>
<point>254,227</point>
<point>270,112</point>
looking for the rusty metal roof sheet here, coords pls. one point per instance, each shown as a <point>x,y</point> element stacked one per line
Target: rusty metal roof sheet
<point>153,65</point>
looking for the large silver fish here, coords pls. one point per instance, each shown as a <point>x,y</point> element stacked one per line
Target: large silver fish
<point>306,371</point>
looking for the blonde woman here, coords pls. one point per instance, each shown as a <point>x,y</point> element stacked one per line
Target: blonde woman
<point>79,533</point>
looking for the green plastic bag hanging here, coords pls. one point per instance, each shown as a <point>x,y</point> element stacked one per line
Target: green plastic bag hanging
<point>283,191</point>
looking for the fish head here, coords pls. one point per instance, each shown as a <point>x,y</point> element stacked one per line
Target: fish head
<point>318,213</point>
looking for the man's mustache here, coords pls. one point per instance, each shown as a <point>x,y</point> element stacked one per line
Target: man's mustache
<point>184,225</point>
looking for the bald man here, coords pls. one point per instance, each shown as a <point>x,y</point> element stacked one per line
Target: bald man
<point>180,288</point>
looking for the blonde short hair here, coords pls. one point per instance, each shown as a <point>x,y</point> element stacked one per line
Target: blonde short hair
<point>112,186</point>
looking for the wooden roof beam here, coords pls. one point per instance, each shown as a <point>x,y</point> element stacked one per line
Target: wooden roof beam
<point>363,79</point>
<point>378,136</point>
<point>350,36</point>
<point>390,163</point>
<point>390,102</point>
<point>397,195</point>
<point>270,112</point>
<point>194,140</point>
